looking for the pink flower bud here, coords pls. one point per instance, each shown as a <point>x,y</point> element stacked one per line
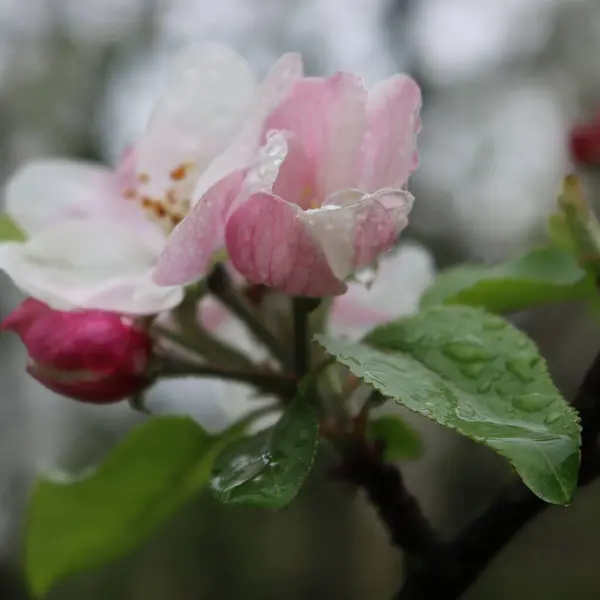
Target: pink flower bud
<point>89,355</point>
<point>584,143</point>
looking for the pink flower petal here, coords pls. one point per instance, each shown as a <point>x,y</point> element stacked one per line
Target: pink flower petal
<point>295,182</point>
<point>190,247</point>
<point>353,229</point>
<point>328,117</point>
<point>389,154</point>
<point>268,244</point>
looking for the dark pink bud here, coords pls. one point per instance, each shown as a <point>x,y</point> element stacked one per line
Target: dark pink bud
<point>89,355</point>
<point>584,143</point>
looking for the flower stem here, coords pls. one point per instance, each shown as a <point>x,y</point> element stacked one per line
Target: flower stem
<point>273,383</point>
<point>220,285</point>
<point>301,308</point>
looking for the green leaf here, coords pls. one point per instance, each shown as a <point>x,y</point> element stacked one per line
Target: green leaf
<point>268,469</point>
<point>575,227</point>
<point>402,442</point>
<point>542,276</point>
<point>84,524</point>
<point>10,231</point>
<point>473,372</point>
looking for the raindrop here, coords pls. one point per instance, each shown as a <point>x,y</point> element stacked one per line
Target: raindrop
<point>521,369</point>
<point>484,387</point>
<point>240,470</point>
<point>466,351</point>
<point>493,324</point>
<point>473,370</point>
<point>532,402</point>
<point>552,418</point>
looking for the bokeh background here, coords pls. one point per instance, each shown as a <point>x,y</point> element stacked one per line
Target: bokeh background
<point>503,81</point>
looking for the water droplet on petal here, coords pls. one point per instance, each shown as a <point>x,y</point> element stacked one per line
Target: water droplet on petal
<point>532,402</point>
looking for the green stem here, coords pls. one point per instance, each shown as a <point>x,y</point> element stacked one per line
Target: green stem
<point>202,343</point>
<point>219,283</point>
<point>274,383</point>
<point>301,333</point>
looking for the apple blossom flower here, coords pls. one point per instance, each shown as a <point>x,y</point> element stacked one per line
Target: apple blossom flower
<point>94,235</point>
<point>326,196</point>
<point>89,355</point>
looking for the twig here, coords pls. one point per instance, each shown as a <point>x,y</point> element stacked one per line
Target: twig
<point>515,507</point>
<point>219,284</point>
<point>273,383</point>
<point>384,485</point>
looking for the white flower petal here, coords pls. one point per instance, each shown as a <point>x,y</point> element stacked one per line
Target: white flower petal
<point>241,153</point>
<point>208,96</point>
<point>89,265</point>
<point>45,191</point>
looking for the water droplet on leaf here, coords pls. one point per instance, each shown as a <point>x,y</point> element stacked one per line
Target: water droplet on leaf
<point>466,351</point>
<point>521,369</point>
<point>473,370</point>
<point>484,387</point>
<point>532,402</point>
<point>552,418</point>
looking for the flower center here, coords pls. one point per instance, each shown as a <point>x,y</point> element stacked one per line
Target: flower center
<point>171,208</point>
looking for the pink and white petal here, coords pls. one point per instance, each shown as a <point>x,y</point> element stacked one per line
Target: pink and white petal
<point>295,182</point>
<point>88,265</point>
<point>328,116</point>
<point>45,193</point>
<point>268,244</point>
<point>388,154</point>
<point>190,247</point>
<point>209,94</point>
<point>241,153</point>
<point>403,275</point>
<point>353,229</point>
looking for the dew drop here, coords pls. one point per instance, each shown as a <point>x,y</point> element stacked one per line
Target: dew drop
<point>521,369</point>
<point>552,418</point>
<point>532,402</point>
<point>240,470</point>
<point>473,370</point>
<point>492,324</point>
<point>466,351</point>
<point>484,387</point>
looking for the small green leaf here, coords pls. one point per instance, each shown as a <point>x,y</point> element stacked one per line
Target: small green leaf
<point>540,277</point>
<point>84,524</point>
<point>402,442</point>
<point>268,469</point>
<point>575,227</point>
<point>475,373</point>
<point>10,231</point>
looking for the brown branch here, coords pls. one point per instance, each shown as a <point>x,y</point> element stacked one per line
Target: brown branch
<point>410,530</point>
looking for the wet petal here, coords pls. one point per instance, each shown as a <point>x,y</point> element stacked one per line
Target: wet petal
<point>327,115</point>
<point>268,244</point>
<point>389,155</point>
